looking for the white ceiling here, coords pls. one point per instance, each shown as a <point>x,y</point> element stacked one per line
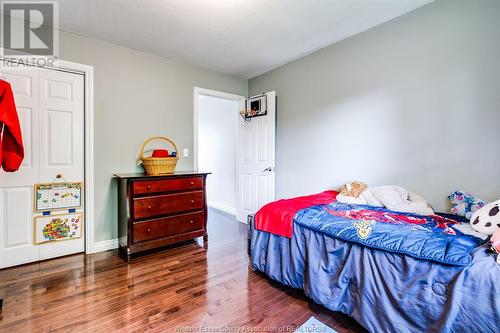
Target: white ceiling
<point>244,38</point>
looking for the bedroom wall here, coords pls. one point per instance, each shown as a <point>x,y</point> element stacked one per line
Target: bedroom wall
<point>137,95</point>
<point>413,102</point>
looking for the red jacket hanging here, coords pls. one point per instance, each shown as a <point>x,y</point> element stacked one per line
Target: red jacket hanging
<point>11,141</point>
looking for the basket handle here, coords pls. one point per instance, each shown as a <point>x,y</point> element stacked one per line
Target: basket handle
<point>156,138</point>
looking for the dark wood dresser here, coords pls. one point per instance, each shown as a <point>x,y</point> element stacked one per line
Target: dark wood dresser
<point>154,211</point>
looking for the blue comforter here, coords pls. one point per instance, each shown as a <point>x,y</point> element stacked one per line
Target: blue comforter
<point>384,291</point>
<point>423,237</point>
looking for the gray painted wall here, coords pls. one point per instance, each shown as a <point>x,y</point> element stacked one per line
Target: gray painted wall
<point>137,95</point>
<point>414,102</point>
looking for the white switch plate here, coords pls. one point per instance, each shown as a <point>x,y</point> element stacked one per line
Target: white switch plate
<point>185,152</point>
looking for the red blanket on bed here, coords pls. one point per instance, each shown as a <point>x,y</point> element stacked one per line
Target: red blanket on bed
<point>277,217</point>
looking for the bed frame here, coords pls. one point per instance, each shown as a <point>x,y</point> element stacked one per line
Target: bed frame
<point>250,219</point>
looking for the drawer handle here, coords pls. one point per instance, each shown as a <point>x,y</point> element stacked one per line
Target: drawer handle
<point>149,230</point>
<point>149,207</point>
<point>192,183</point>
<point>191,222</point>
<point>192,201</point>
<point>149,187</point>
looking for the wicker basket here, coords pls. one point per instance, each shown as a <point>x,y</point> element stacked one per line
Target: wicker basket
<point>158,165</point>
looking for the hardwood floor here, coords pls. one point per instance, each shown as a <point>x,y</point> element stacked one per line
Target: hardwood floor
<point>183,287</point>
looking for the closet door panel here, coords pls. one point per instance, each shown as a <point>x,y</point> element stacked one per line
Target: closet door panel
<point>62,125</point>
<point>62,134</point>
<point>16,231</point>
<point>16,188</point>
<point>24,83</point>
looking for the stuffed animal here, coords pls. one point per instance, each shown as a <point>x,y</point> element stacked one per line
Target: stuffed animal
<point>465,204</point>
<point>495,244</point>
<point>495,241</point>
<point>487,219</point>
<point>353,189</point>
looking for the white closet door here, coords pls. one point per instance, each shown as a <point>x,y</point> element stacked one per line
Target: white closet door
<point>51,112</point>
<point>61,133</point>
<point>16,189</point>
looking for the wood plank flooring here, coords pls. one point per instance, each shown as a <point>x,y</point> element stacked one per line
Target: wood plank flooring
<point>182,289</point>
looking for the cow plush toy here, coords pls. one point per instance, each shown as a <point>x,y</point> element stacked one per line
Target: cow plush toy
<point>487,219</point>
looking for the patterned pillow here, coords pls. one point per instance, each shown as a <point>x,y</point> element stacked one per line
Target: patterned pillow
<point>465,204</point>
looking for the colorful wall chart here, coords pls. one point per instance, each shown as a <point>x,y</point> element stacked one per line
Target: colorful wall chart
<point>58,196</point>
<point>58,227</point>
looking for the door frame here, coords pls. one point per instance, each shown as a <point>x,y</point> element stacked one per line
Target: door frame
<point>88,110</point>
<point>213,93</point>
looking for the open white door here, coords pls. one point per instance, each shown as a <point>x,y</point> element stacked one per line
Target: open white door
<point>255,160</point>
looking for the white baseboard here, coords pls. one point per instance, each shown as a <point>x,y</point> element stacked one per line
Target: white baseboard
<point>105,245</point>
<point>224,208</point>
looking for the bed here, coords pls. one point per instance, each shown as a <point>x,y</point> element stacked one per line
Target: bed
<point>385,291</point>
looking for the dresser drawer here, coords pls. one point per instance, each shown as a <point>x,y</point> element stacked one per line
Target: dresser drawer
<point>164,185</point>
<point>167,204</point>
<point>164,227</point>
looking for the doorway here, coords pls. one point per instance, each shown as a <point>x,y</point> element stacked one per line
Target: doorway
<point>240,152</point>
<point>216,146</point>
